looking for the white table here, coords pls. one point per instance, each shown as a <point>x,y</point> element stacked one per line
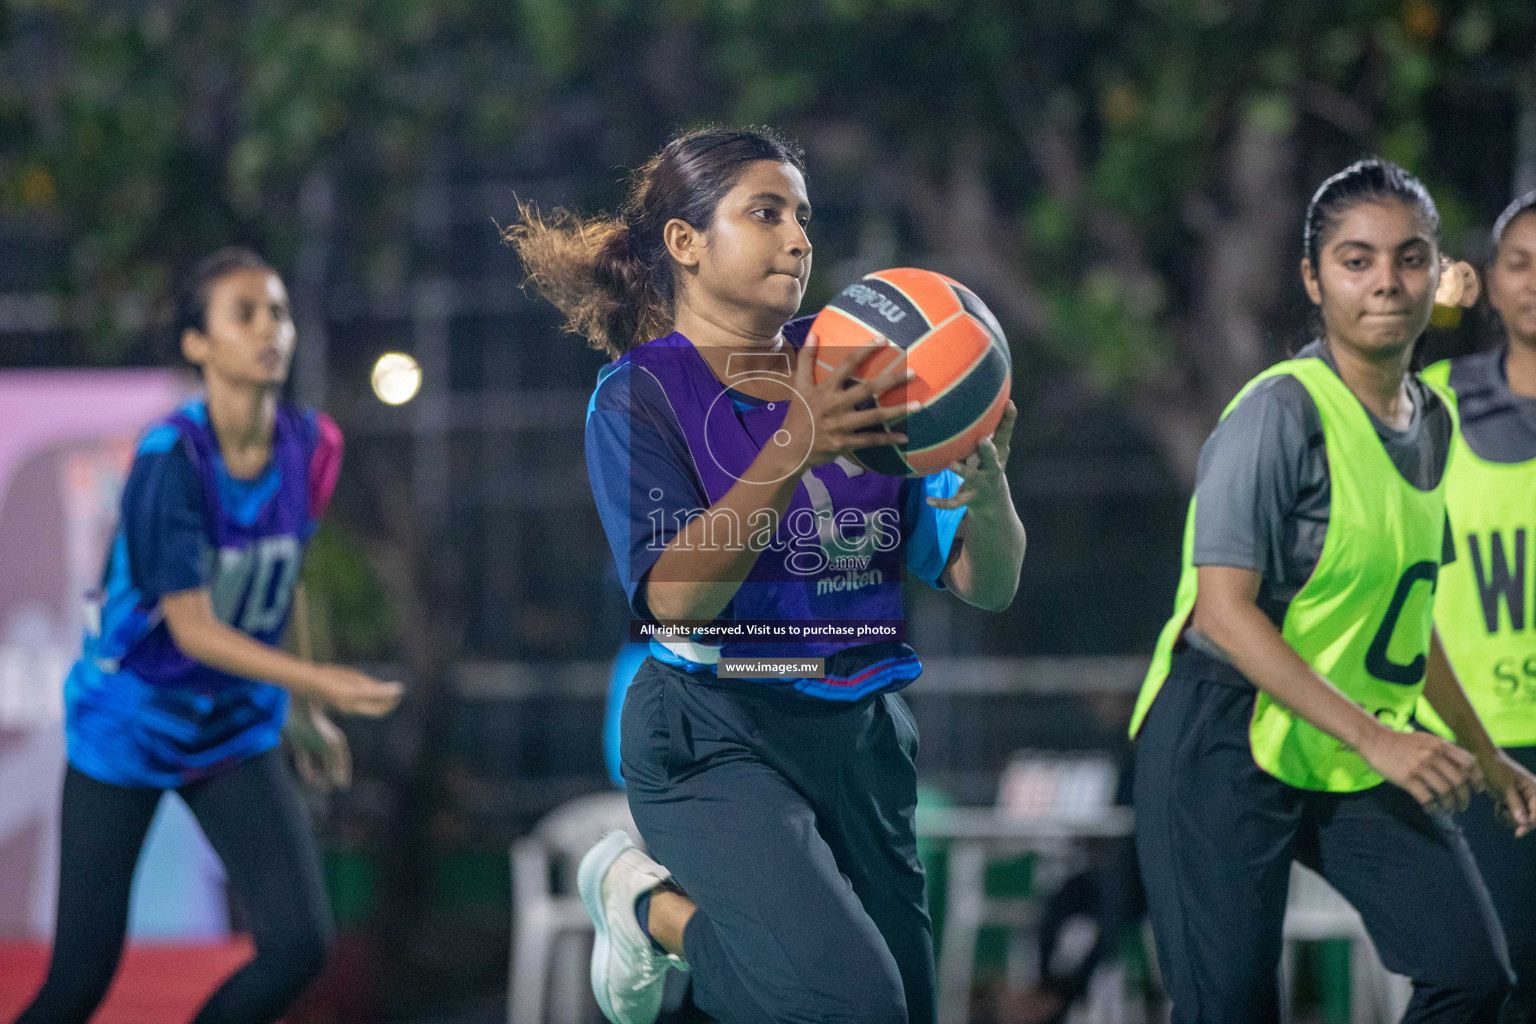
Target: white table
<point>972,833</point>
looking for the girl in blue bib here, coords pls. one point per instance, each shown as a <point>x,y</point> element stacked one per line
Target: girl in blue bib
<point>180,685</point>
<point>780,803</point>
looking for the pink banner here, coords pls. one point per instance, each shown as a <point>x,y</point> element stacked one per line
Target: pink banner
<point>66,437</point>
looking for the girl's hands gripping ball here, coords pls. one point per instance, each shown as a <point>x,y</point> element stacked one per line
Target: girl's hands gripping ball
<point>985,482</point>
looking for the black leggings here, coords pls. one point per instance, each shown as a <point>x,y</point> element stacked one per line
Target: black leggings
<point>255,820</point>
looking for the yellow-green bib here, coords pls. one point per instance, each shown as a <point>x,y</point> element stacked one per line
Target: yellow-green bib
<point>1483,605</point>
<point>1363,619</point>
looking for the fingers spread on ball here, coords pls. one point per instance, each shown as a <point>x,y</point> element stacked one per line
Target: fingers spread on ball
<point>852,362</point>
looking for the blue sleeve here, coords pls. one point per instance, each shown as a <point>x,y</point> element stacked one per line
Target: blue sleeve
<point>930,532</point>
<point>641,472</point>
<point>162,515</point>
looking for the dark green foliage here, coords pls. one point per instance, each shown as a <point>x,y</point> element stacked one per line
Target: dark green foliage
<point>1122,178</point>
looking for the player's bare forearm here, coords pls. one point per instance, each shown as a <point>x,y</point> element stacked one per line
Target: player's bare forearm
<point>699,572</point>
<point>1439,775</point>
<point>1226,612</point>
<point>986,571</point>
<point>1444,692</point>
<point>704,565</point>
<point>201,636</point>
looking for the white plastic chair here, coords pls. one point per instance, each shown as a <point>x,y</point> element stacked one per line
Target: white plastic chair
<point>1035,784</point>
<point>1314,912</point>
<point>547,911</point>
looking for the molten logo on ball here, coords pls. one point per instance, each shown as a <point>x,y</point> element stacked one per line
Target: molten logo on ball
<point>864,295</point>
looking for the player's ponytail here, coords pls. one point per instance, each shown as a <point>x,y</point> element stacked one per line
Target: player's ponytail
<point>643,307</point>
<point>586,268</point>
<point>611,277</point>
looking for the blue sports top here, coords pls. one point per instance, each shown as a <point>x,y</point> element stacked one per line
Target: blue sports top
<point>139,712</point>
<point>645,430</point>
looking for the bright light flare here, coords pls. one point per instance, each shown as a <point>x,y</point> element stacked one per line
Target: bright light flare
<point>396,378</point>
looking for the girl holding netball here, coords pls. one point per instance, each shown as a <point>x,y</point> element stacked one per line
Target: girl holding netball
<point>782,807</point>
<point>181,687</point>
<point>1481,606</point>
<point>1274,723</point>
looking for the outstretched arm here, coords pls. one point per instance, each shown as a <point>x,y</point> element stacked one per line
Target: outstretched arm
<point>201,636</point>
